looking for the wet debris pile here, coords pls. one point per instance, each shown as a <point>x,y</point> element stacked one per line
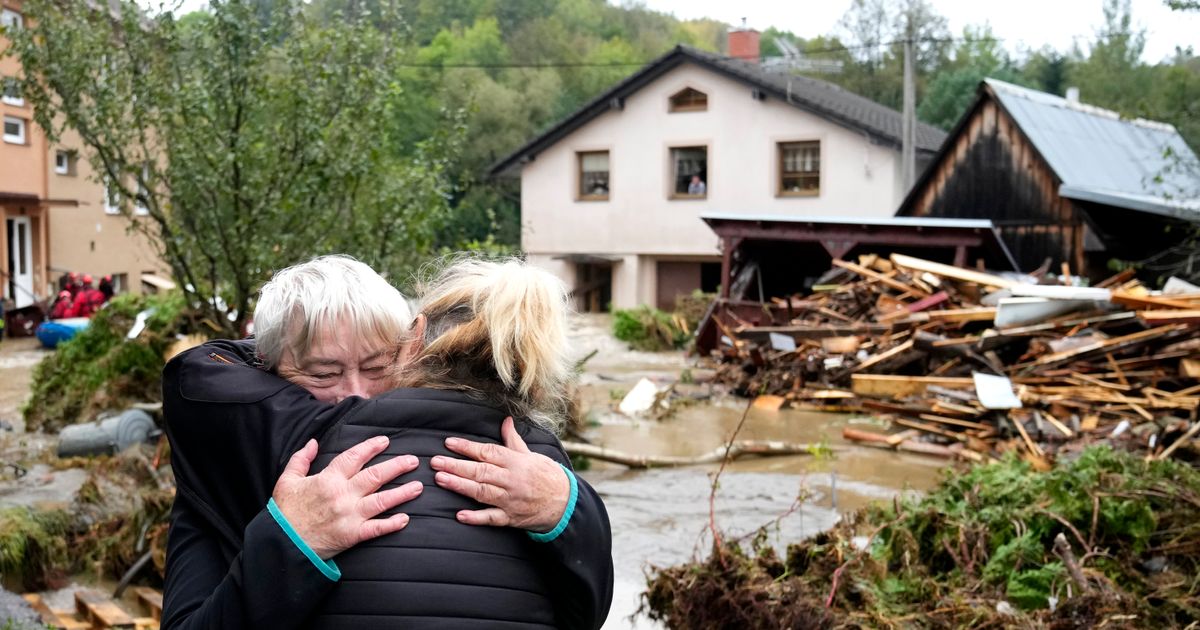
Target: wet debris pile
<point>117,520</point>
<point>1103,539</point>
<point>970,364</point>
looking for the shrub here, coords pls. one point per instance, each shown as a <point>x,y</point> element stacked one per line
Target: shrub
<point>649,329</point>
<point>99,369</point>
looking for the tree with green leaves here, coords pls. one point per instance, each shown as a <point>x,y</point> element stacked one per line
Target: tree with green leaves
<point>243,138</point>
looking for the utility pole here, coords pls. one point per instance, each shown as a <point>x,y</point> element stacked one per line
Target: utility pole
<point>908,133</point>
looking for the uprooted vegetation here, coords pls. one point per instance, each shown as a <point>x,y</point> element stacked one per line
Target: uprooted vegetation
<point>978,551</point>
<point>119,514</point>
<point>100,369</point>
<point>652,330</point>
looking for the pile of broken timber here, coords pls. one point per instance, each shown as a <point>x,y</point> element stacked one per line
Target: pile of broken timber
<point>96,610</point>
<point>908,339</point>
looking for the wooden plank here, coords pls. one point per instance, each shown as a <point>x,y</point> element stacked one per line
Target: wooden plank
<point>1099,383</point>
<point>929,428</point>
<point>1149,302</point>
<point>980,314</point>
<point>1062,428</point>
<point>151,599</point>
<point>1120,278</point>
<point>875,275</point>
<point>1029,443</point>
<point>952,272</point>
<point>1106,345</point>
<point>953,421</point>
<point>101,610</point>
<point>1166,316</point>
<point>57,619</point>
<point>884,356</point>
<point>889,386</point>
<point>929,302</point>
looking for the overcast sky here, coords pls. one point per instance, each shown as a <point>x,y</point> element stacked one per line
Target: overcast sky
<point>1028,23</point>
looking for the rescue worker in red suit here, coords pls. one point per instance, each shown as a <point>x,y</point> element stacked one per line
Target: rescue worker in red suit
<point>88,300</point>
<point>62,306</point>
<point>69,282</point>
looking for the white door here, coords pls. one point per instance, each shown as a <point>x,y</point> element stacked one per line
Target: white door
<point>20,261</point>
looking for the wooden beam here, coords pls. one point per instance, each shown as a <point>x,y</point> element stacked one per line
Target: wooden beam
<point>952,272</point>
<point>874,275</point>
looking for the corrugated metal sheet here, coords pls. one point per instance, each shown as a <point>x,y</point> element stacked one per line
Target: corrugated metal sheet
<point>1096,152</point>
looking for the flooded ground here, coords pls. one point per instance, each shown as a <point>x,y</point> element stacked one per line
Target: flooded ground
<point>661,517</point>
<point>17,358</point>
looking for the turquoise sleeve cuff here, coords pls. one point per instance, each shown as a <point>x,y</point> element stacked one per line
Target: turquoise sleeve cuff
<point>566,517</point>
<point>326,567</point>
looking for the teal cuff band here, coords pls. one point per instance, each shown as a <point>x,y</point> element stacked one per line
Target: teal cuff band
<point>566,517</point>
<point>326,567</point>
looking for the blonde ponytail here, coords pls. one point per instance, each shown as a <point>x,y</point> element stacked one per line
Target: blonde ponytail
<point>504,321</point>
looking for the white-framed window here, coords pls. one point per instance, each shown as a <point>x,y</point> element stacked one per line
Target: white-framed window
<point>139,202</point>
<point>10,92</point>
<point>799,169</point>
<point>593,175</point>
<point>64,162</point>
<point>14,130</point>
<point>689,170</point>
<point>11,19</point>
<point>112,197</point>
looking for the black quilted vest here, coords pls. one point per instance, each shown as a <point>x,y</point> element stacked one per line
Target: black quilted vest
<point>436,572</point>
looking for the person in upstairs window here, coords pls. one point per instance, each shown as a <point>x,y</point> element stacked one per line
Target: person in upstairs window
<point>697,187</point>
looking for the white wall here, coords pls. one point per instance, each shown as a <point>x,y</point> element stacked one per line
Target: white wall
<point>639,220</point>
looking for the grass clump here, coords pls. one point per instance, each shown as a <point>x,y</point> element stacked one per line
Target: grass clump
<point>33,547</point>
<point>99,369</point>
<point>977,551</point>
<point>649,329</point>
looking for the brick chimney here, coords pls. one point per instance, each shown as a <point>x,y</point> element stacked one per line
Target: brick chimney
<point>743,43</point>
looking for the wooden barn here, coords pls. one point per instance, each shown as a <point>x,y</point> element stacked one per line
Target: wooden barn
<point>1063,181</point>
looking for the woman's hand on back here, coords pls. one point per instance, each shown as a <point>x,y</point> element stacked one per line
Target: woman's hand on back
<point>335,509</point>
<point>528,490</point>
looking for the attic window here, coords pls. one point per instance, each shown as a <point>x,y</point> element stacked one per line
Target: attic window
<point>689,100</point>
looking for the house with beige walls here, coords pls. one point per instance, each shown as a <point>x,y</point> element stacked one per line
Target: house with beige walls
<point>57,217</point>
<point>612,196</point>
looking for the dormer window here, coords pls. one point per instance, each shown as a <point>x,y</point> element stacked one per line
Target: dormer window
<point>689,100</point>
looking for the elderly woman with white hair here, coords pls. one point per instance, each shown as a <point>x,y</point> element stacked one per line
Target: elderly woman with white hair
<point>489,345</point>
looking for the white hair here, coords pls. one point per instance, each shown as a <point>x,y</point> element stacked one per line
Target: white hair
<point>301,301</point>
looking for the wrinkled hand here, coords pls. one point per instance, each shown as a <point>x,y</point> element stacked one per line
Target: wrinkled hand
<point>335,509</point>
<point>528,490</point>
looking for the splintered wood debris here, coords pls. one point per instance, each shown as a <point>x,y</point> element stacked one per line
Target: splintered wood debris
<point>969,364</point>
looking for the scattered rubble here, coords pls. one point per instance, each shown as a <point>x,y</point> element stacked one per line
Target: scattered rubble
<point>968,364</point>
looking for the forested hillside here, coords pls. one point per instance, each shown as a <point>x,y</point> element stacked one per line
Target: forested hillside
<point>510,68</point>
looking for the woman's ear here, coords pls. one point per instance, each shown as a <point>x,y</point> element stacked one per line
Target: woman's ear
<point>414,341</point>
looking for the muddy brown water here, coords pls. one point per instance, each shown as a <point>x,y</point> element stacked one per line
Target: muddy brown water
<point>661,517</point>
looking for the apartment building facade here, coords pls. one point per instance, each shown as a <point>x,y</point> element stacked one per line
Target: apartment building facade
<point>57,215</point>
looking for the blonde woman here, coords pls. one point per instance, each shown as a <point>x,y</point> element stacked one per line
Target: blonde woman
<point>508,538</point>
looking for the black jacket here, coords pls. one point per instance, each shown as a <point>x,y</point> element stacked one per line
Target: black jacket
<point>229,565</point>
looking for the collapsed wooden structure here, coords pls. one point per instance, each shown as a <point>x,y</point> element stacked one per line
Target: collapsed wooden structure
<point>969,364</point>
